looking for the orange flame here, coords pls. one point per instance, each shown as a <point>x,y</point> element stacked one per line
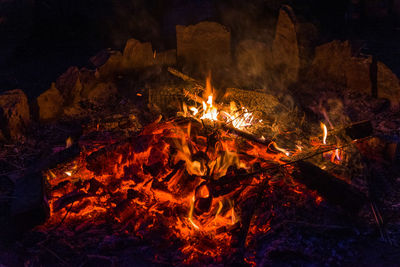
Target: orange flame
<point>325,133</point>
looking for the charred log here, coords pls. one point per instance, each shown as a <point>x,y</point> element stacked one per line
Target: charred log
<point>334,190</point>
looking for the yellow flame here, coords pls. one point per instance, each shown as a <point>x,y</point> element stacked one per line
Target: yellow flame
<point>194,110</point>
<point>209,111</point>
<point>325,131</point>
<point>68,173</point>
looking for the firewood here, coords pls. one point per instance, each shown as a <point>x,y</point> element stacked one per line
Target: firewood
<point>359,130</point>
<point>334,190</point>
<point>185,77</point>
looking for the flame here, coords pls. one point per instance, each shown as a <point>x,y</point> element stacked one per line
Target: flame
<point>190,217</point>
<point>68,142</point>
<point>325,133</point>
<point>284,151</point>
<point>204,192</point>
<point>337,154</point>
<point>239,118</point>
<point>194,110</point>
<point>209,111</point>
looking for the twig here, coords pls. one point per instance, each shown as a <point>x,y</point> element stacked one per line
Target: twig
<point>379,222</point>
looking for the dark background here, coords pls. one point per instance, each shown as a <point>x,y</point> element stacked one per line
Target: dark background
<point>40,39</point>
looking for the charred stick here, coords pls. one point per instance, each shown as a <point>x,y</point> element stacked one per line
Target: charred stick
<point>245,135</point>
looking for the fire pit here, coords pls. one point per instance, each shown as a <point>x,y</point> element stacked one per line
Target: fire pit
<point>174,158</point>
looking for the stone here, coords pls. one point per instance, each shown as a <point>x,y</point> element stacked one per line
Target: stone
<point>14,114</point>
<point>285,48</point>
<point>50,104</point>
<point>100,58</point>
<point>166,58</point>
<point>138,55</point>
<point>203,47</point>
<point>69,85</point>
<point>307,38</point>
<point>388,85</point>
<point>114,64</point>
<point>330,61</point>
<point>358,75</point>
<point>100,93</point>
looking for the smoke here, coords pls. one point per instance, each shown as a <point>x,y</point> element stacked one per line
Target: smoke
<point>132,19</point>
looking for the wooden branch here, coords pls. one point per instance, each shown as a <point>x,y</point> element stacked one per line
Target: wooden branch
<point>185,77</point>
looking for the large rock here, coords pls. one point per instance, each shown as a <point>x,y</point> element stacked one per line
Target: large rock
<point>74,82</point>
<point>100,93</point>
<point>388,85</point>
<point>70,86</point>
<point>358,74</point>
<point>203,47</point>
<point>167,58</point>
<point>330,61</point>
<point>285,48</point>
<point>334,65</point>
<point>14,114</point>
<point>138,55</point>
<point>252,60</point>
<point>50,104</point>
<point>114,64</point>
